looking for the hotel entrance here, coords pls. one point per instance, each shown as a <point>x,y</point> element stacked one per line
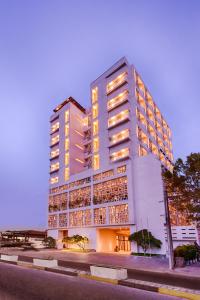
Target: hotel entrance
<point>123,243</point>
<point>113,239</point>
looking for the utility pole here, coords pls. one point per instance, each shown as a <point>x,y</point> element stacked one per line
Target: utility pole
<point>169,231</point>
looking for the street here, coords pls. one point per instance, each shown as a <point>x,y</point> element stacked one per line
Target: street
<point>17,283</point>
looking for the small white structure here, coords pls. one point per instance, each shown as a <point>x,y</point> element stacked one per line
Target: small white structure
<point>108,273</point>
<point>45,263</point>
<point>9,257</point>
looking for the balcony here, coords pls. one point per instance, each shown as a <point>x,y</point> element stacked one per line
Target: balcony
<point>120,155</point>
<point>54,154</point>
<point>117,101</point>
<point>54,168</point>
<point>118,82</point>
<point>119,138</point>
<point>54,141</point>
<point>54,127</point>
<point>122,117</point>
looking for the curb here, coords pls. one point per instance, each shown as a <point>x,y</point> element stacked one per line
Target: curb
<point>101,279</point>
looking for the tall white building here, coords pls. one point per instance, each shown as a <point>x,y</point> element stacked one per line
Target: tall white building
<point>105,163</point>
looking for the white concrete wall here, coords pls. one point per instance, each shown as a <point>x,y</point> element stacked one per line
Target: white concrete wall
<point>149,197</point>
<point>90,233</point>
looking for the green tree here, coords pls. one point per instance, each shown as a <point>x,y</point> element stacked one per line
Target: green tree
<point>79,240</point>
<point>145,239</point>
<point>50,242</point>
<point>183,186</point>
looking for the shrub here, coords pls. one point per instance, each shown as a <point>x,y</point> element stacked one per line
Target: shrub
<point>78,240</point>
<point>188,252</point>
<point>50,242</point>
<point>145,239</point>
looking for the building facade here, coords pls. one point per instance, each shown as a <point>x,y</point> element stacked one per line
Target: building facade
<point>105,163</point>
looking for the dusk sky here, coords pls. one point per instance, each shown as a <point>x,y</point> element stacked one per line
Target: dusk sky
<point>50,50</point>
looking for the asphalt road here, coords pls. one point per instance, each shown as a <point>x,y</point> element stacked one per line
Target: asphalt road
<point>18,283</point>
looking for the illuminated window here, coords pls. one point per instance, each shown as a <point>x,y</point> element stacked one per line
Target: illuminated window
<point>153,148</point>
<point>162,157</point>
<point>63,220</point>
<point>150,115</point>
<point>66,174</point>
<point>67,130</point>
<point>54,167</point>
<point>141,118</point>
<point>54,127</point>
<point>151,131</point>
<point>158,127</point>
<point>54,140</point>
<point>95,127</point>
<point>142,136</point>
<point>66,158</point>
<point>160,142</point>
<point>96,144</point>
<point>116,101</point>
<point>158,114</point>
<point>110,191</point>
<point>95,94</point>
<point>67,116</point>
<point>52,221</point>
<point>95,111</point>
<point>66,144</point>
<point>54,153</point>
<point>142,151</point>
<point>149,100</point>
<point>80,197</point>
<point>140,83</point>
<point>141,101</point>
<point>54,180</point>
<point>120,136</point>
<point>116,82</point>
<point>121,169</point>
<point>122,116</point>
<point>118,214</point>
<point>124,153</point>
<point>96,162</point>
<point>100,215</point>
<point>58,202</point>
<point>80,218</point>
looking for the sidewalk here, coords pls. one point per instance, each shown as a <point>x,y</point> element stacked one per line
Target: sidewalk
<point>154,264</point>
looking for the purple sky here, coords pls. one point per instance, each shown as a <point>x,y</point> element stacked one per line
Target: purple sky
<point>50,50</point>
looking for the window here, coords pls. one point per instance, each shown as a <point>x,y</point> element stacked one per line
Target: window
<point>66,158</point>
<point>141,101</point>
<point>123,153</point>
<point>95,127</point>
<point>121,169</point>
<point>67,116</point>
<point>52,221</point>
<point>112,85</point>
<point>96,144</point>
<point>123,115</point>
<point>143,138</point>
<point>151,131</point>
<point>116,101</point>
<point>110,191</point>
<point>54,153</point>
<point>66,144</point>
<point>150,116</point>
<point>54,167</point>
<point>80,182</point>
<point>80,218</point>
<point>118,214</point>
<point>63,220</point>
<point>67,130</point>
<point>120,136</point>
<point>96,162</point>
<point>141,118</point>
<point>66,174</point>
<point>95,111</point>
<point>100,215</point>
<point>54,127</point>
<point>54,140</point>
<point>95,94</point>
<point>142,151</point>
<point>54,180</point>
<point>80,197</point>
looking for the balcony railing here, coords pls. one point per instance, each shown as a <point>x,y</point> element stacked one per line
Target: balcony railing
<point>119,118</point>
<point>118,100</point>
<point>116,83</point>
